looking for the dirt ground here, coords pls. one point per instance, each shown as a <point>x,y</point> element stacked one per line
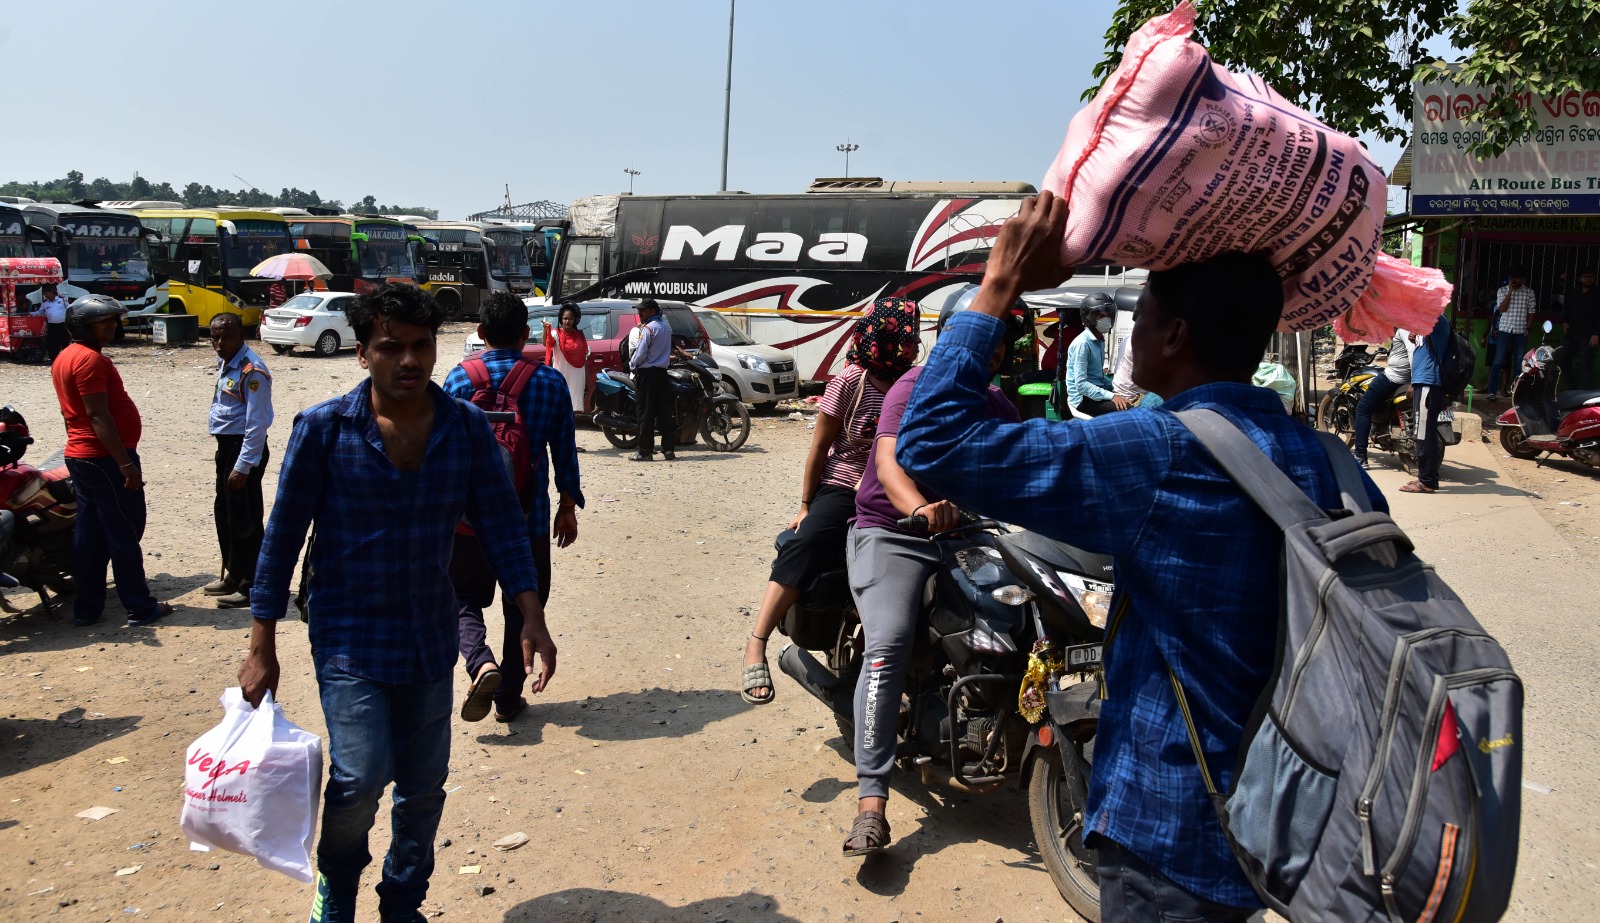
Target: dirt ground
<point>648,790</point>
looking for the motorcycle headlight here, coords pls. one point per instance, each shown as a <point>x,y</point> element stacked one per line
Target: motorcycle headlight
<point>1094,598</point>
<point>754,363</point>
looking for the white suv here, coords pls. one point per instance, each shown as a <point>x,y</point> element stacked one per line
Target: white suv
<point>757,374</point>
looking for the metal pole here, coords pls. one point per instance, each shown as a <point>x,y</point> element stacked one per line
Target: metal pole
<point>727,99</point>
<point>846,148</point>
<point>631,174</point>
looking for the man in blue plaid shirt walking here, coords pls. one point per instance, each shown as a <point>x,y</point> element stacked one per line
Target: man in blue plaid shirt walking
<point>386,472</point>
<point>1197,562</point>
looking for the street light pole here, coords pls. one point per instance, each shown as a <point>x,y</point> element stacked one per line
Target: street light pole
<point>631,174</point>
<point>727,99</point>
<point>845,149</point>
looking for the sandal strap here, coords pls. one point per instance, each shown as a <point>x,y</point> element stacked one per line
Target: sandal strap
<point>871,826</point>
<point>757,675</point>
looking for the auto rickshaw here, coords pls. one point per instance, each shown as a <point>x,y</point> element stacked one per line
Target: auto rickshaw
<point>22,335</point>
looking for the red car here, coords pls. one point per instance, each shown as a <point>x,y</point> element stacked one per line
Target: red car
<point>606,322</point>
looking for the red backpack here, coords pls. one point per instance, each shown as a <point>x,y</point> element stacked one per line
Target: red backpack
<point>511,432</point>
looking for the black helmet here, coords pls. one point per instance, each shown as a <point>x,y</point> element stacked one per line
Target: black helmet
<point>1015,326</point>
<point>1095,305</point>
<point>89,309</point>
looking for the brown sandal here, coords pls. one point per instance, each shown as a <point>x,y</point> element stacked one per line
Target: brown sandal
<point>1417,487</point>
<point>870,834</point>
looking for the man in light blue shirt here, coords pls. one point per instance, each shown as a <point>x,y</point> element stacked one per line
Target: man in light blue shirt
<point>1089,388</point>
<point>54,308</point>
<point>649,364</point>
<point>241,412</point>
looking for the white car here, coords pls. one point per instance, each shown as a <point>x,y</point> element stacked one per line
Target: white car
<point>313,320</point>
<point>761,375</point>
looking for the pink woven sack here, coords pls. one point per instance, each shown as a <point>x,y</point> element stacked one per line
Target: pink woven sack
<point>1177,160</point>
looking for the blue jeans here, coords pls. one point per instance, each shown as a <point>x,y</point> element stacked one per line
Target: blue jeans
<point>380,733</point>
<point>109,526</point>
<point>1508,350</point>
<point>1133,891</point>
<point>1379,391</point>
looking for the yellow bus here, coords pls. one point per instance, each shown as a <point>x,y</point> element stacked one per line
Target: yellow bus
<point>207,255</point>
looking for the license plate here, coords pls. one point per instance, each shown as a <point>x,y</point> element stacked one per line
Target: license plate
<point>1083,656</point>
<point>785,381</point>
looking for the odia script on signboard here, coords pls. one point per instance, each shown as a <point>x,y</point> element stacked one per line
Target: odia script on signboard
<point>1555,170</point>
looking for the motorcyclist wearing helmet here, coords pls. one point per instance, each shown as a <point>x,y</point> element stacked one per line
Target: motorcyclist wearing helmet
<point>103,430</point>
<point>889,566</point>
<point>1089,388</point>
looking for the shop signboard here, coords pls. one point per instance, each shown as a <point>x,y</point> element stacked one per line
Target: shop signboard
<point>1553,171</point>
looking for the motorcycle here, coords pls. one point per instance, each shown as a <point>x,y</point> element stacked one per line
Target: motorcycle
<point>1393,428</point>
<point>1543,418</point>
<point>37,553</point>
<point>1002,686</point>
<point>699,403</point>
<point>1355,357</point>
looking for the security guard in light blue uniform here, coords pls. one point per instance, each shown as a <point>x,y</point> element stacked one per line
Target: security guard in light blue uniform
<point>241,412</point>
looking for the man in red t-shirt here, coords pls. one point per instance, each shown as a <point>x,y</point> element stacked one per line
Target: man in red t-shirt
<point>102,433</point>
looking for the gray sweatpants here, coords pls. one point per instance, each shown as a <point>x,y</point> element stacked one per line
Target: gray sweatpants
<point>887,574</point>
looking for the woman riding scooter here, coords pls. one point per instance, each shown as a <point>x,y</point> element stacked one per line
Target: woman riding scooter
<point>885,341</point>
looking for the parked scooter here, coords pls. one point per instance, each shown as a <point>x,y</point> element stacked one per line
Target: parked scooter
<point>699,404</point>
<point>38,551</point>
<point>1002,684</point>
<point>1543,418</point>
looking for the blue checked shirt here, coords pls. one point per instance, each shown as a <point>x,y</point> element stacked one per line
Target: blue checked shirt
<point>1196,560</point>
<point>381,602</point>
<point>546,408</point>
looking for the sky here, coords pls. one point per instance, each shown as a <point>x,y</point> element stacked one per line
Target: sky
<point>443,104</point>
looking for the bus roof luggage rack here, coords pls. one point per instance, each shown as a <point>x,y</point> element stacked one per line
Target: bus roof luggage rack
<point>825,184</point>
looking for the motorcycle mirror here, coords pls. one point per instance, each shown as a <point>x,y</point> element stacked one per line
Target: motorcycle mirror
<point>1548,326</point>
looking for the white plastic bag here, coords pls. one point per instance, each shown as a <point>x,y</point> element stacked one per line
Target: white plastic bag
<point>251,786</point>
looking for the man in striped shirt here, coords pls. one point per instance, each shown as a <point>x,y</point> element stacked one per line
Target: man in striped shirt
<point>1512,305</point>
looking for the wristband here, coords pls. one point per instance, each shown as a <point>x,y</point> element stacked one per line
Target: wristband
<point>128,465</point>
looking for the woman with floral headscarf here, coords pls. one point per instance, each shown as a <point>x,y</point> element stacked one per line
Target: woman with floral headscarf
<point>884,345</point>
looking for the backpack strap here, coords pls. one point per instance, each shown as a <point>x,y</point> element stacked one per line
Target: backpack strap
<point>1249,467</point>
<point>1352,490</point>
<point>477,372</point>
<point>521,373</point>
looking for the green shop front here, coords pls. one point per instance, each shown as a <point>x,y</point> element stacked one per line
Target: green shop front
<point>1535,207</point>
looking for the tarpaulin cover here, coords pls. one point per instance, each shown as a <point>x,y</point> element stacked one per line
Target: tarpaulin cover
<point>594,216</point>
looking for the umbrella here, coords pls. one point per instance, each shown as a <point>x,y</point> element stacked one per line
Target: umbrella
<point>292,266</point>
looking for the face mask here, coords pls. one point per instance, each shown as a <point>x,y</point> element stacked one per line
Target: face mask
<point>1102,325</point>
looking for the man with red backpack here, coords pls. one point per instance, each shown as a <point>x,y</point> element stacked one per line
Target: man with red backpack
<point>502,381</point>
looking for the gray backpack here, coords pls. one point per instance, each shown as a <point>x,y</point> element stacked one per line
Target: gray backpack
<point>1380,775</point>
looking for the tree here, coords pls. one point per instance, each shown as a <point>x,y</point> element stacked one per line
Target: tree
<point>104,189</point>
<point>1352,62</point>
<point>75,189</point>
<point>139,188</point>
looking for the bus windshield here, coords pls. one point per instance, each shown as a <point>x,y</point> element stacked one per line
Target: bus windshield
<point>118,258</point>
<point>386,259</point>
<point>13,247</point>
<point>253,242</point>
<point>508,259</point>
